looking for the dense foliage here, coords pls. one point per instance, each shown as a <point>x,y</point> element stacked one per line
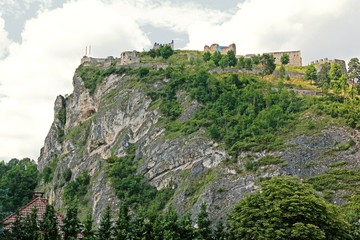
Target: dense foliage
<point>164,51</point>
<point>77,188</point>
<point>286,209</point>
<point>18,179</point>
<point>92,76</point>
<point>241,111</point>
<point>132,187</point>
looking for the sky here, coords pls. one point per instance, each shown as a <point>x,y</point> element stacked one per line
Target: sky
<point>42,42</point>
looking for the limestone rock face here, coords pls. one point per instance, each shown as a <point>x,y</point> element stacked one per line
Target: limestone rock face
<point>89,128</point>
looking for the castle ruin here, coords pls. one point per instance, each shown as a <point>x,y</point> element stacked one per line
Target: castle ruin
<point>222,49</point>
<point>318,63</point>
<point>126,58</point>
<point>158,45</point>
<point>129,57</point>
<point>294,58</point>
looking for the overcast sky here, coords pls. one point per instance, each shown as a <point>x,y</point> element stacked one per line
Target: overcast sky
<point>42,42</point>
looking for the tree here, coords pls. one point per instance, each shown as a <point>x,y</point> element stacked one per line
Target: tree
<point>139,225</point>
<point>231,58</point>
<point>206,56</point>
<point>49,225</point>
<point>219,231</point>
<point>71,226</point>
<point>31,227</point>
<point>224,62</point>
<point>248,64</point>
<point>285,208</point>
<point>354,69</point>
<point>335,71</point>
<point>268,64</point>
<point>343,82</point>
<point>216,57</point>
<point>311,73</point>
<point>18,179</point>
<point>105,229</point>
<point>170,226</point>
<point>186,230</point>
<point>244,63</point>
<point>256,59</point>
<point>282,72</point>
<point>152,53</point>
<point>204,231</point>
<point>87,228</point>
<point>166,51</point>
<point>323,76</point>
<point>17,227</point>
<point>285,59</point>
<point>122,223</point>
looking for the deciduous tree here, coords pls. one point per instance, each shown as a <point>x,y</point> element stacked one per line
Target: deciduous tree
<point>285,208</point>
<point>285,59</point>
<point>311,73</point>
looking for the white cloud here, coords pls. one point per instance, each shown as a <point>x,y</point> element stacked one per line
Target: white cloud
<point>41,67</point>
<point>323,28</point>
<point>177,17</point>
<point>4,41</point>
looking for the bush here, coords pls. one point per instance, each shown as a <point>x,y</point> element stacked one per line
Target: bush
<point>143,71</point>
<point>67,174</point>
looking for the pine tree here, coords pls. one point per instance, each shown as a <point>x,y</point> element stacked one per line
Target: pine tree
<point>204,231</point>
<point>170,225</point>
<point>219,232</point>
<point>216,57</point>
<point>206,56</point>
<point>122,224</point>
<point>71,226</point>
<point>105,229</point>
<point>49,225</point>
<point>140,226</point>
<point>87,228</point>
<point>186,230</point>
<point>232,58</point>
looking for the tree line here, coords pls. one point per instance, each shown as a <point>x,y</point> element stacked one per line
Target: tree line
<point>283,208</point>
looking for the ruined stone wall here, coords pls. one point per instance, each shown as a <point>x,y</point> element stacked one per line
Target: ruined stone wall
<point>158,45</point>
<point>222,49</point>
<point>319,62</point>
<point>294,57</point>
<point>126,58</point>
<point>129,57</point>
<point>104,62</point>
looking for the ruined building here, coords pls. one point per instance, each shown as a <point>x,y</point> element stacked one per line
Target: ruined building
<point>294,58</point>
<point>319,62</point>
<point>222,49</point>
<point>158,45</point>
<point>129,57</point>
<point>126,58</point>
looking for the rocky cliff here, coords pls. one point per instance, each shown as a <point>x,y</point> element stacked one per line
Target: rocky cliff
<point>90,127</point>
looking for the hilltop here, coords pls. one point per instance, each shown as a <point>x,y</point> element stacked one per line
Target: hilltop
<point>185,128</point>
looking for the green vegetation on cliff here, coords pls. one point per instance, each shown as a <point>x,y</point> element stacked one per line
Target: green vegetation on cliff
<point>240,107</point>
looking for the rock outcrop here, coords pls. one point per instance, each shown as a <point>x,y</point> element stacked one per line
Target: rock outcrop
<point>117,115</point>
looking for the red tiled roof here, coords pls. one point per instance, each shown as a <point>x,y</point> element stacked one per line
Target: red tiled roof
<point>37,202</point>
